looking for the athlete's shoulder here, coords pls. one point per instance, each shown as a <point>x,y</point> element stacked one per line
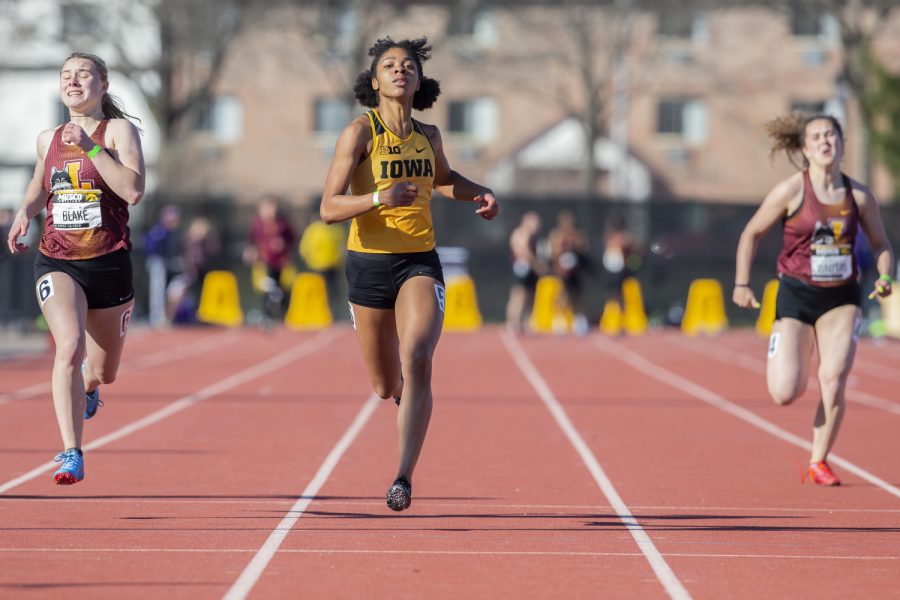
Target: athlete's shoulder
<point>359,125</point>
<point>44,139</point>
<point>122,127</point>
<point>788,188</point>
<point>861,192</point>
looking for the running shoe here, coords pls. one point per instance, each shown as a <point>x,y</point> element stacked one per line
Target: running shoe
<point>92,402</point>
<point>72,469</point>
<point>399,497</point>
<point>821,473</point>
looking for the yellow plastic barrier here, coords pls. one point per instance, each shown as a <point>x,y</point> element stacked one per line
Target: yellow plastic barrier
<point>308,308</point>
<point>461,305</point>
<point>634,319</point>
<point>767,311</point>
<point>612,318</point>
<point>548,314</point>
<point>219,300</point>
<point>705,310</point>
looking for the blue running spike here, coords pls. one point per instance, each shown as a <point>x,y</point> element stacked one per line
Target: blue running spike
<point>72,469</point>
<point>91,403</point>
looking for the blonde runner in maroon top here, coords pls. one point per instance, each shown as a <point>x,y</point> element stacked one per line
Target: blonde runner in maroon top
<point>85,218</point>
<point>819,239</point>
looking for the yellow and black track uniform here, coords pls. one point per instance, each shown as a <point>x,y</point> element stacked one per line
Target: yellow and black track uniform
<point>388,245</point>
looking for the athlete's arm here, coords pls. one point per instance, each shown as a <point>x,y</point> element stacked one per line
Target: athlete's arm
<point>122,164</point>
<point>773,208</point>
<point>35,197</point>
<point>353,145</point>
<point>453,185</point>
<point>873,226</point>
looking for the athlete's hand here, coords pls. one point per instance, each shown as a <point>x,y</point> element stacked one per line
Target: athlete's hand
<point>402,193</point>
<point>882,287</point>
<point>743,296</point>
<point>74,135</point>
<point>19,228</point>
<point>488,206</point>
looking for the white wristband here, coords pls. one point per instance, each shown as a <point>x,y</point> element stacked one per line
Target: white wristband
<point>375,201</point>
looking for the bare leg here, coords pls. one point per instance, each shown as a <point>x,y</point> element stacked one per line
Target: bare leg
<point>787,368</point>
<point>376,334</point>
<point>836,341</point>
<point>420,319</point>
<point>106,329</point>
<point>65,310</point>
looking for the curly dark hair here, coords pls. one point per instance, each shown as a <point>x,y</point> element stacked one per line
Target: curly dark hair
<point>788,133</point>
<point>420,51</point>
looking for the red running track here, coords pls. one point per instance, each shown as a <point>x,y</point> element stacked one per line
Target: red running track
<point>233,464</point>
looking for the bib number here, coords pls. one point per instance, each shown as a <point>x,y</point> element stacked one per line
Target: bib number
<point>831,262</point>
<point>77,209</point>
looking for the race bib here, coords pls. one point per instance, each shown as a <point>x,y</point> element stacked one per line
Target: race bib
<point>77,209</point>
<point>831,262</point>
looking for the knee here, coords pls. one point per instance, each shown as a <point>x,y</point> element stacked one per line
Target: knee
<point>70,350</point>
<point>831,381</point>
<point>784,393</point>
<point>104,375</point>
<point>418,361</point>
<point>385,389</point>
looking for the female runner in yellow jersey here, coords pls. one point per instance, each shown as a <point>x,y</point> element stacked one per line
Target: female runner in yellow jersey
<point>391,163</point>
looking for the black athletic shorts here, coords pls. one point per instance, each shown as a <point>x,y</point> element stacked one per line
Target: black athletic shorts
<point>374,280</point>
<point>799,300</point>
<point>106,280</point>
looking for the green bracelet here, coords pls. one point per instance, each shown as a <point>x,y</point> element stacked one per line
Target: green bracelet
<point>886,277</point>
<point>94,151</point>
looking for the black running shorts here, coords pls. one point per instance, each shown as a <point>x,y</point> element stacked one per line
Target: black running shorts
<point>106,280</point>
<point>374,280</point>
<point>799,300</point>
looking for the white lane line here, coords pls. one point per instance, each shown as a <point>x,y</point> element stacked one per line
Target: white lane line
<point>660,567</point>
<point>144,362</point>
<point>254,569</point>
<point>728,356</point>
<point>436,552</point>
<point>687,386</point>
<point>263,368</point>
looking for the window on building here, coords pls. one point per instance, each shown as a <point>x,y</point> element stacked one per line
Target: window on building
<point>222,116</point>
<point>477,24</point>
<point>686,117</point>
<point>806,19</point>
<point>79,19</point>
<point>331,114</point>
<point>475,117</point>
<point>809,107</point>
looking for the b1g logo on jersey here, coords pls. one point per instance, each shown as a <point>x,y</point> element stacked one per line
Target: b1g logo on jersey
<point>45,289</point>
<point>389,150</point>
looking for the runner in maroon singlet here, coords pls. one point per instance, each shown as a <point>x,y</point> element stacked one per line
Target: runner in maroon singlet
<point>819,293</point>
<point>88,172</point>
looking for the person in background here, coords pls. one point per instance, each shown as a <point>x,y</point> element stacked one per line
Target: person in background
<point>391,163</point>
<point>569,248</point>
<point>621,256</point>
<point>162,252</point>
<point>527,268</point>
<point>269,243</point>
<point>201,244</point>
<point>322,249</point>
<point>89,172</point>
<point>818,302</point>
